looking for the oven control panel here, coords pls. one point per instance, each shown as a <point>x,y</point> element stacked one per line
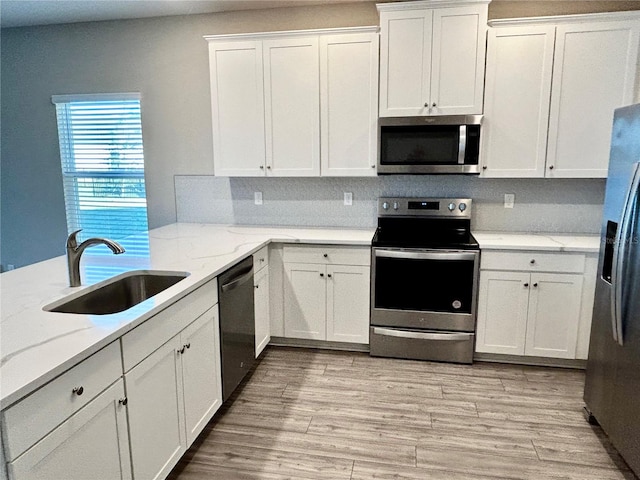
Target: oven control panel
<point>425,207</point>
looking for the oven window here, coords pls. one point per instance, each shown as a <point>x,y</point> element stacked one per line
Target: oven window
<point>419,145</point>
<point>424,285</point>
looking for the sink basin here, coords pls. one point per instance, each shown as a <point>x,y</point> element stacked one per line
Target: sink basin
<point>118,293</point>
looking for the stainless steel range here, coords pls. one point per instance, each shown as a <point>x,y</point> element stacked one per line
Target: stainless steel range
<point>424,280</point>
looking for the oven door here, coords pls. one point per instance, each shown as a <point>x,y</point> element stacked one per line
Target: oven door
<point>424,289</point>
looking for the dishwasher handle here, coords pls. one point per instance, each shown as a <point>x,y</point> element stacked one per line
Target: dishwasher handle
<point>242,278</point>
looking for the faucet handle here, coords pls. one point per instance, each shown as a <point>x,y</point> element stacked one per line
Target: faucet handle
<point>71,240</point>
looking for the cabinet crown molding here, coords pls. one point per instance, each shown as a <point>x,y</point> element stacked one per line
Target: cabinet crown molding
<point>568,19</point>
<point>422,4</point>
<point>290,33</point>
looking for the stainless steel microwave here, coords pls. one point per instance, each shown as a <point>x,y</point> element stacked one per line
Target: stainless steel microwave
<point>429,145</point>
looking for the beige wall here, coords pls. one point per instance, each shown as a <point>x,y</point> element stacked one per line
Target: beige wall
<point>541,8</point>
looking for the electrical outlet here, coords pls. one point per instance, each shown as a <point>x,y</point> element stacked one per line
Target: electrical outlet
<point>509,200</point>
<point>257,198</point>
<point>348,198</point>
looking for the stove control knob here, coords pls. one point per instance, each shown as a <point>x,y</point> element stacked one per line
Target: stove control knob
<point>451,207</point>
<point>462,207</point>
<point>385,205</point>
<point>395,205</point>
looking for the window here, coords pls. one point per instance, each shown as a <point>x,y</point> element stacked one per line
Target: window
<point>103,169</point>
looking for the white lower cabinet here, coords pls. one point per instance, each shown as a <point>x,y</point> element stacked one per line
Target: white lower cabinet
<point>91,444</point>
<point>529,312</point>
<point>324,300</point>
<point>172,394</point>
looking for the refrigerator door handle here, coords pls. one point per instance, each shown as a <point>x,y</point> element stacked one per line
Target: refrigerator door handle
<point>620,253</point>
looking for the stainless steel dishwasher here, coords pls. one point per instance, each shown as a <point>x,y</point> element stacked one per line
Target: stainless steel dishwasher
<point>237,324</point>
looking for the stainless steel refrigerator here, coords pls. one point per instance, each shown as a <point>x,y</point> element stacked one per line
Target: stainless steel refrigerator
<point>612,389</point>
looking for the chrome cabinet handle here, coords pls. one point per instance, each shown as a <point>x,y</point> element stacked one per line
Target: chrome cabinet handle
<point>123,401</point>
<point>78,390</point>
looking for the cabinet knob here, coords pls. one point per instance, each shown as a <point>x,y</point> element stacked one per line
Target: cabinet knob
<point>188,345</point>
<point>78,390</point>
<point>329,275</point>
<point>433,104</point>
<point>484,167</point>
<point>123,401</point>
<point>533,261</point>
<point>373,166</point>
<point>535,285</point>
<point>257,286</point>
<point>426,105</point>
<point>268,167</point>
<point>261,167</point>
<point>550,167</point>
<point>325,255</point>
<point>322,274</point>
<point>526,285</point>
<point>180,350</point>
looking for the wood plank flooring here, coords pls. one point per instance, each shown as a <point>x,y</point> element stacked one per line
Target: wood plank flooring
<point>316,414</point>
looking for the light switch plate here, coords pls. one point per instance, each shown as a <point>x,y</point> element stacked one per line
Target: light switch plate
<point>348,198</point>
<point>257,198</point>
<point>509,200</point>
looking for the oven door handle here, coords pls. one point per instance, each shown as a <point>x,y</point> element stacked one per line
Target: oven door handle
<point>451,337</point>
<point>426,255</point>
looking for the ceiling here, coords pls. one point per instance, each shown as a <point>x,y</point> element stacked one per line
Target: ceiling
<point>21,13</point>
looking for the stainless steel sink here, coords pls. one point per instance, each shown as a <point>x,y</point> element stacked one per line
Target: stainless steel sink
<point>118,293</point>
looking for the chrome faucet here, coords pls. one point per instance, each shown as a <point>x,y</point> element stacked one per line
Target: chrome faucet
<point>74,252</point>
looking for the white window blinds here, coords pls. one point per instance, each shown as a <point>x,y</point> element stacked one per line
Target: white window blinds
<point>103,167</point>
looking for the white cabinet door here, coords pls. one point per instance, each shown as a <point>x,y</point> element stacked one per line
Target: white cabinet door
<point>93,443</point>
<point>237,106</point>
<point>594,72</point>
<point>554,315</point>
<point>349,104</point>
<point>348,303</point>
<point>502,312</point>
<point>292,107</point>
<point>156,412</point>
<point>458,56</point>
<point>261,302</point>
<point>517,95</point>
<point>405,62</point>
<point>201,372</point>
<point>305,301</point>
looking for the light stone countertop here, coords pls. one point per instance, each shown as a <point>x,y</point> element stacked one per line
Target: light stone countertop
<point>556,242</point>
<point>37,346</point>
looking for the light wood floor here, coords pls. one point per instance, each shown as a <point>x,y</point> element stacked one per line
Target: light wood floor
<point>310,414</point>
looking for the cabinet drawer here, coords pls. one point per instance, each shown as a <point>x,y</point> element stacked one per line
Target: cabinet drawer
<point>533,262</point>
<point>143,340</point>
<point>261,259</point>
<point>32,418</point>
<point>327,255</point>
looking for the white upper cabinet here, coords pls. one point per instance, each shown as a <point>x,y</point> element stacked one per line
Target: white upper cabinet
<point>349,104</point>
<point>432,59</point>
<point>282,101</point>
<point>518,89</point>
<point>292,121</point>
<point>237,106</point>
<point>594,73</point>
<point>551,88</point>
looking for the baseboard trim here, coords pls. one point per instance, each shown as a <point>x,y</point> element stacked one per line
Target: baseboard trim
<point>300,342</point>
<point>534,361</point>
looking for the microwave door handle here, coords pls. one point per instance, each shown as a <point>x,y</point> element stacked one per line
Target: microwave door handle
<point>462,144</point>
<point>620,254</point>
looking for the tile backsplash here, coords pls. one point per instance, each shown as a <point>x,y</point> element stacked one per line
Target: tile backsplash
<point>541,205</point>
